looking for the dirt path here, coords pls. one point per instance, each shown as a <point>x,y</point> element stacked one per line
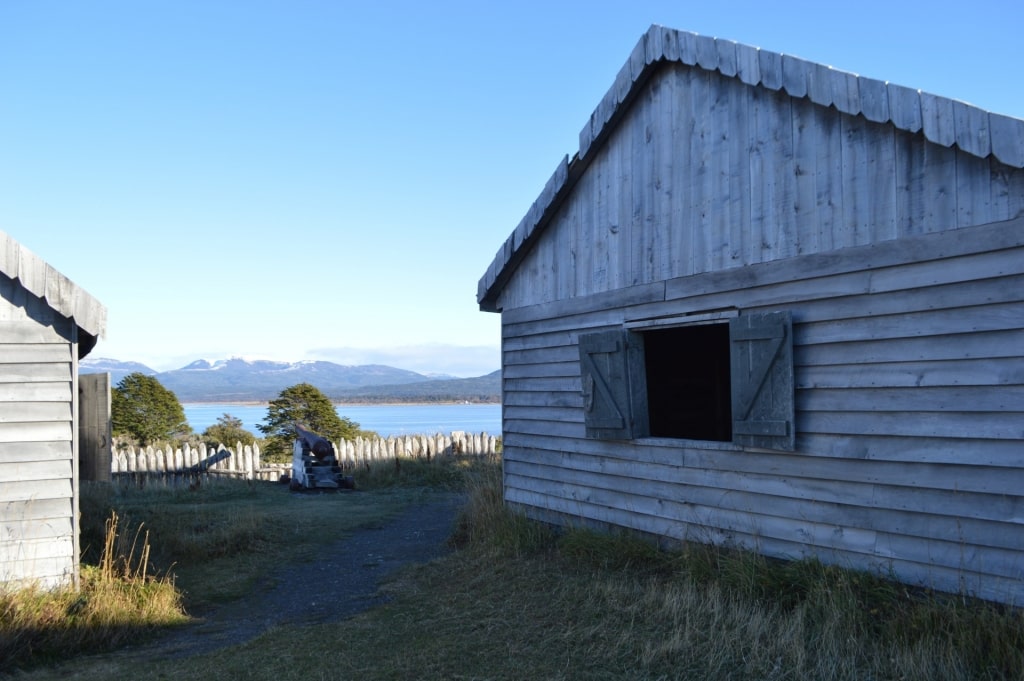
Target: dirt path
<point>342,583</point>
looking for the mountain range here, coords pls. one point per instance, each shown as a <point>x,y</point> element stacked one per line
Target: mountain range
<point>241,380</point>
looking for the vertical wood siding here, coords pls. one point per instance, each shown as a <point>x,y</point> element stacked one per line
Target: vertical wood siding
<point>38,529</point>
<point>909,374</point>
<point>707,173</point>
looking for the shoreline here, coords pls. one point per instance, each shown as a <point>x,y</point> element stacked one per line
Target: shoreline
<point>250,403</point>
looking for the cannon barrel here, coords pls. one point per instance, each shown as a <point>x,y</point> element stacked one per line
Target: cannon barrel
<point>319,446</point>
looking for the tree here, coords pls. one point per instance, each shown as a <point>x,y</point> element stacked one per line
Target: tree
<point>228,431</point>
<point>306,405</point>
<point>142,408</point>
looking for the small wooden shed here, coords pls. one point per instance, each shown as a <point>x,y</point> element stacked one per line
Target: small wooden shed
<point>775,305</point>
<point>47,324</point>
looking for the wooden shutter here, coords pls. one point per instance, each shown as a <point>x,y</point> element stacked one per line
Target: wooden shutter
<point>761,363</point>
<point>613,385</point>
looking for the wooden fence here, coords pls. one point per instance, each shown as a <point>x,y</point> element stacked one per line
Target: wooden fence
<point>244,461</point>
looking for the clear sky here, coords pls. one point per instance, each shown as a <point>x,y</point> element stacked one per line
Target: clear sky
<point>313,179</point>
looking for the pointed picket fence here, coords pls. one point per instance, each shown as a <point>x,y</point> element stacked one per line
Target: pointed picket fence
<point>243,461</point>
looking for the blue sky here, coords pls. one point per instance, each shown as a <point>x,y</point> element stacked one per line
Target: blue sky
<point>303,179</point>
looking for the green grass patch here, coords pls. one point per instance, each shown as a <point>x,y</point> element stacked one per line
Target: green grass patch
<point>154,554</point>
<point>219,539</point>
<point>450,473</point>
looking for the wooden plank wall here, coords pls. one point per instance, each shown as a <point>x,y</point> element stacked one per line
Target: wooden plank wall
<point>706,173</point>
<point>38,528</point>
<point>910,403</point>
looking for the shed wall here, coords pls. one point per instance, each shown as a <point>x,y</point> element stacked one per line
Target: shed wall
<point>706,173</point>
<point>909,375</point>
<point>38,482</point>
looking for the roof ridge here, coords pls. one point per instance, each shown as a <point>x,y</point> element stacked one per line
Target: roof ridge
<point>943,121</point>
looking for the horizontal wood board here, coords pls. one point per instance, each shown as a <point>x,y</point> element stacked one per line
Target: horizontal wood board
<point>43,562</point>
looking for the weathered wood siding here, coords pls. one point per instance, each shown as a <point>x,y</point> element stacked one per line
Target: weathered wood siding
<point>38,481</point>
<point>909,372</point>
<point>95,437</point>
<point>706,173</point>
<point>717,180</point>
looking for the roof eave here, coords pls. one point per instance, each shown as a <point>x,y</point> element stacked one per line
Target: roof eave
<point>59,292</point>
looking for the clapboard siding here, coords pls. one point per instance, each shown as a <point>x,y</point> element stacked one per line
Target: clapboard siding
<point>38,476</point>
<point>830,479</point>
<point>34,332</point>
<point>835,281</point>
<point>35,529</point>
<point>36,470</point>
<point>750,510</point>
<point>37,432</point>
<point>553,369</point>
<point>43,391</point>
<point>41,411</point>
<point>1001,426</point>
<point>914,399</point>
<point>655,201</point>
<point>39,509</point>
<point>18,353</point>
<point>909,399</point>
<point>826,501</point>
<point>932,564</point>
<point>34,372</point>
<point>988,371</point>
<point>54,549</point>
<point>714,458</point>
<point>13,452</point>
<point>29,562</point>
<point>34,490</point>
<point>715,180</point>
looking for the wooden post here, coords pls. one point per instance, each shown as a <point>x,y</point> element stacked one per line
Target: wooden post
<point>94,451</point>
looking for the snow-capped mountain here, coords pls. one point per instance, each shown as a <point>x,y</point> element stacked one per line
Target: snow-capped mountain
<point>240,380</point>
<point>116,368</point>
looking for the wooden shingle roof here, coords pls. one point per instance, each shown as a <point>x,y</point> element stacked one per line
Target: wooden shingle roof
<point>59,292</point>
<point>942,121</point>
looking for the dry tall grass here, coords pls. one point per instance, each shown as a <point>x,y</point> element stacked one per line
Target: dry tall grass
<point>119,600</point>
<point>623,608</point>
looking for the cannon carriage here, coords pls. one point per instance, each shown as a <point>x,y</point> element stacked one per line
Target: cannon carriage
<point>315,464</point>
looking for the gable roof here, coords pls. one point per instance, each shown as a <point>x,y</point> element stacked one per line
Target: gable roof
<point>942,121</point>
<point>59,292</point>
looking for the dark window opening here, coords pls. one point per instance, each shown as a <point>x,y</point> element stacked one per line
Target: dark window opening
<point>722,382</point>
<point>688,382</point>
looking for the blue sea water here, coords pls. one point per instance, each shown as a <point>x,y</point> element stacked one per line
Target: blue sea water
<point>385,420</point>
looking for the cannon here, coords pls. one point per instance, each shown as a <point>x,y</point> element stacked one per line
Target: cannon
<point>315,464</point>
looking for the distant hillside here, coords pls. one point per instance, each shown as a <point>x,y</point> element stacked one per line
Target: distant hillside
<point>239,380</point>
<point>115,368</point>
<point>236,380</point>
<point>483,389</point>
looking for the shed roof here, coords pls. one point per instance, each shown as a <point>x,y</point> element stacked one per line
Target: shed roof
<point>59,292</point>
<point>942,121</point>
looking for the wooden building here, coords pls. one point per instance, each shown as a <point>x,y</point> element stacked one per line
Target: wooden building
<point>47,324</point>
<point>775,305</point>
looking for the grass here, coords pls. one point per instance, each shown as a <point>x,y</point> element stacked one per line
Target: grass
<point>119,599</point>
<point>519,600</point>
<point>153,553</point>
